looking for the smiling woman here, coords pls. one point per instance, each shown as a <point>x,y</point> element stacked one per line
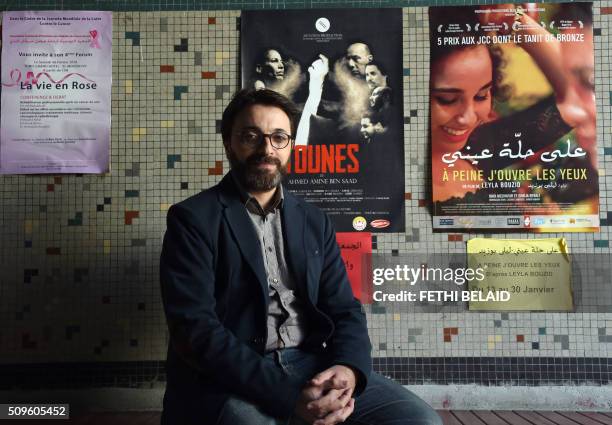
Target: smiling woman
<point>465,80</point>
<point>461,97</point>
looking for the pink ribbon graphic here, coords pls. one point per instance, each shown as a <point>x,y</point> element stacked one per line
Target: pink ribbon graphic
<point>94,39</point>
<point>31,78</point>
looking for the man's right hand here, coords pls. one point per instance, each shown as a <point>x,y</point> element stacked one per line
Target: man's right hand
<point>333,403</point>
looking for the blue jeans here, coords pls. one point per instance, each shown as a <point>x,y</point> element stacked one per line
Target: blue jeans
<point>383,402</point>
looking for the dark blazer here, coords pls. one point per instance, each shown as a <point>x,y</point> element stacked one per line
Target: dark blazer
<point>215,296</point>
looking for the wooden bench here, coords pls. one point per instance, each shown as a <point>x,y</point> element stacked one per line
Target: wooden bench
<point>450,417</point>
<point>519,417</point>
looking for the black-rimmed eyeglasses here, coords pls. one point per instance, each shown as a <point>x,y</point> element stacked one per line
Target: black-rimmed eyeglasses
<point>253,138</point>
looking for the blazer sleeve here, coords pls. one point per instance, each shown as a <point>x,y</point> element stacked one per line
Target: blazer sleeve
<point>349,344</point>
<point>187,273</point>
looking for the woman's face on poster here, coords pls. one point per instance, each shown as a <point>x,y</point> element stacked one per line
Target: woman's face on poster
<point>461,85</point>
<point>273,66</point>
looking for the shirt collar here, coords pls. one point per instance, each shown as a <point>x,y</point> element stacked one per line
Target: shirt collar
<point>252,205</point>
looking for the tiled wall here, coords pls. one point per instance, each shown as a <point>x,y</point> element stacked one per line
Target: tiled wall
<point>79,254</point>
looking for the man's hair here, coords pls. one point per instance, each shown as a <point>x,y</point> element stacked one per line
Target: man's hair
<point>248,97</point>
<point>380,67</point>
<point>363,43</point>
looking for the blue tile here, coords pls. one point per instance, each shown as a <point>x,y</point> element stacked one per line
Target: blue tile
<point>134,36</point>
<point>179,90</point>
<point>172,159</point>
<point>601,243</point>
<point>77,220</point>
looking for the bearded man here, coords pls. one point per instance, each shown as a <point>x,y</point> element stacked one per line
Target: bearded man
<point>264,328</point>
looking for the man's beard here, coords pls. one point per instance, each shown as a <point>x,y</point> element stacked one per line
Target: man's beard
<point>252,177</point>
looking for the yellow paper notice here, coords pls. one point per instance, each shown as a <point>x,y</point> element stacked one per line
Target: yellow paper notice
<point>535,272</point>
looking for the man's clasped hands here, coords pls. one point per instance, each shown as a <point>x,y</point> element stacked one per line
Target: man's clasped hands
<point>327,397</point>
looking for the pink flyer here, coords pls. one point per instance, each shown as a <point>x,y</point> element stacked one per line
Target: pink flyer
<point>56,92</point>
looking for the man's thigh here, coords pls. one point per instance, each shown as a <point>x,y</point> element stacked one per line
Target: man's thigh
<point>385,402</point>
<point>237,411</point>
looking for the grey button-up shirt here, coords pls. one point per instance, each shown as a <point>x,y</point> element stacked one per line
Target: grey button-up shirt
<point>286,319</point>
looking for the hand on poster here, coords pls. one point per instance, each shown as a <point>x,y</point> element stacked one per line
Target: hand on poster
<point>506,14</point>
<point>318,70</point>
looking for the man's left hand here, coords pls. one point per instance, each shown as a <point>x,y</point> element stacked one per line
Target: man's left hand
<point>331,391</point>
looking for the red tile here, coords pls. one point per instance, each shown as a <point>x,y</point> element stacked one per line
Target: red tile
<point>520,338</point>
<point>606,10</point>
<point>212,21</point>
<point>454,331</point>
<point>209,75</point>
<point>408,196</point>
<point>50,188</point>
<point>57,180</point>
<point>130,215</point>
<point>217,170</point>
<point>447,338</point>
<point>422,203</point>
<point>446,331</point>
<point>166,68</point>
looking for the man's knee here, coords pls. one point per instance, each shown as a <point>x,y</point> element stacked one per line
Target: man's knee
<point>385,401</point>
<point>423,413</point>
<point>237,411</point>
<point>420,414</point>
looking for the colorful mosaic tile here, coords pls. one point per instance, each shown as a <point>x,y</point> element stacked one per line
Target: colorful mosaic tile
<point>89,245</point>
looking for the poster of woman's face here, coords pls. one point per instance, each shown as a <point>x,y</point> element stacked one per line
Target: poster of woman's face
<point>512,106</point>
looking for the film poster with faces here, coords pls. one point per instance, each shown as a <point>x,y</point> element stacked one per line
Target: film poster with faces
<point>512,105</point>
<point>343,69</point>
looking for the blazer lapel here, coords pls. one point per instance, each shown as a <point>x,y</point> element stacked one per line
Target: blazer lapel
<point>294,221</point>
<point>244,233</point>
